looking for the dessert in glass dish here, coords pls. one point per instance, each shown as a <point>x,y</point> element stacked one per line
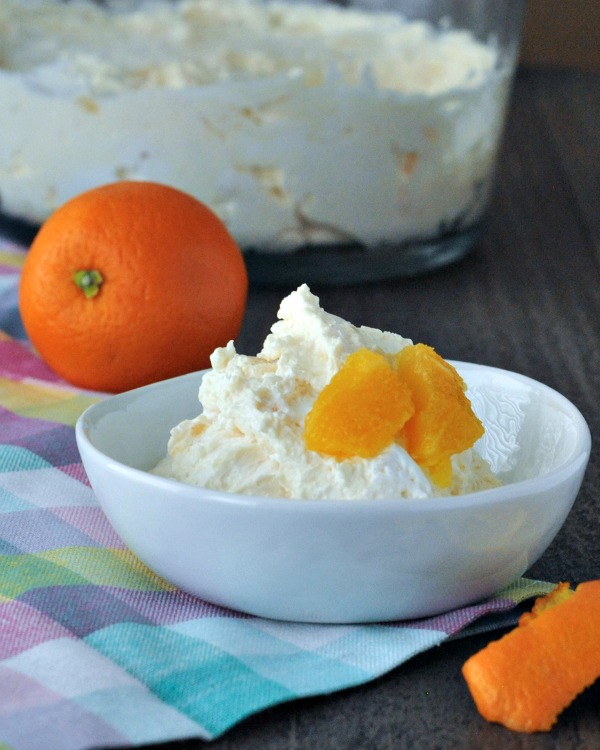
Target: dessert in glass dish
<point>339,143</point>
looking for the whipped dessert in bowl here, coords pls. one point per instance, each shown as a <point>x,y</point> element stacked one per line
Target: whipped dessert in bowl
<point>318,513</point>
<point>252,438</point>
<point>272,113</point>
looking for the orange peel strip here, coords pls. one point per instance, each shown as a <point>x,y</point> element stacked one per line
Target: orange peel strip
<point>528,677</point>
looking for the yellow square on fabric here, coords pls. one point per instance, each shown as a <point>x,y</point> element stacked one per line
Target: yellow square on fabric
<point>107,567</point>
<point>37,400</point>
<point>11,259</point>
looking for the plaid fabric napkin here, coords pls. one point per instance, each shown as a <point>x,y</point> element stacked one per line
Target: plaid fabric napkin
<point>95,649</point>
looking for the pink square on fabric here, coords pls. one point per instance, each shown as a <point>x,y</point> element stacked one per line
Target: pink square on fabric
<point>22,627</point>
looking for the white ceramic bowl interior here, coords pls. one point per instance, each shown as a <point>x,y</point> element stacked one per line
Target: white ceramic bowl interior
<point>338,560</point>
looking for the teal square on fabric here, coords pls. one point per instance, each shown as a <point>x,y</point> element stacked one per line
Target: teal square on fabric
<point>10,503</point>
<point>220,693</point>
<point>301,670</point>
<point>204,682</point>
<point>14,458</point>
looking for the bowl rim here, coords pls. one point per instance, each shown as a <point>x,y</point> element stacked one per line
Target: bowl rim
<point>514,491</point>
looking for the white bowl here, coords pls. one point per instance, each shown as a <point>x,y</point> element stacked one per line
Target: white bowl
<point>341,561</point>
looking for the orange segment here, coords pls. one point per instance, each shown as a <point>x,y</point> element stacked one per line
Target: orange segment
<point>444,423</point>
<point>361,409</point>
<point>529,676</point>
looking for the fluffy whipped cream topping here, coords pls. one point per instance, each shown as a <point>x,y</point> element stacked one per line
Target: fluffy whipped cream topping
<point>249,437</point>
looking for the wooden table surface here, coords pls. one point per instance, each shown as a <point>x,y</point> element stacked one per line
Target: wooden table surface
<point>527,299</point>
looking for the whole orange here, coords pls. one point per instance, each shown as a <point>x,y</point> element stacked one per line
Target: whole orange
<point>130,283</point>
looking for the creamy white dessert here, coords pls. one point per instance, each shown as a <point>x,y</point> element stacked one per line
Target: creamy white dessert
<point>249,436</point>
<point>297,123</point>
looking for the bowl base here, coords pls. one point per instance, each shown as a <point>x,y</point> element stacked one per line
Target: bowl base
<point>355,264</point>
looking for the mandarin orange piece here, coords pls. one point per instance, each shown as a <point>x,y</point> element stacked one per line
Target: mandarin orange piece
<point>360,410</point>
<point>528,677</point>
<point>443,423</point>
<point>130,283</point>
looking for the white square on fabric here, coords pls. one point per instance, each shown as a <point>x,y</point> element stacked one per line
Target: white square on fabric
<point>70,668</point>
<point>47,488</point>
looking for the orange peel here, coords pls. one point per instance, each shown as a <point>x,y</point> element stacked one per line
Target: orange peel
<point>528,677</point>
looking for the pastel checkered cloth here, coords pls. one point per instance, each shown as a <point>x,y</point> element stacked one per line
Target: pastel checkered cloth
<point>95,649</point>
